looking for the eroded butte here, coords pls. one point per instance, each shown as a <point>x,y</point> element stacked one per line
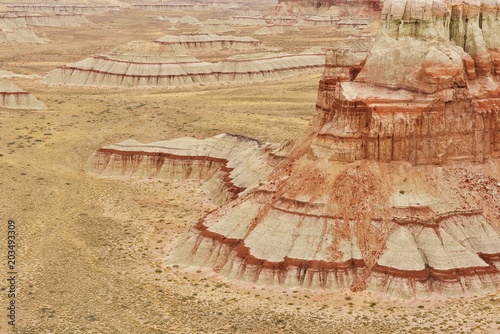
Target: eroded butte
<point>395,186</point>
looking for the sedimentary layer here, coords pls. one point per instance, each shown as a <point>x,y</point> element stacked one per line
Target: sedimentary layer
<point>228,164</point>
<point>210,42</point>
<point>154,64</point>
<point>58,8</point>
<point>395,186</point>
<point>15,19</point>
<point>13,97</point>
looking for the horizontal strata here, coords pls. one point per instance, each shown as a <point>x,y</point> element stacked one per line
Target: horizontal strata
<point>248,20</point>
<point>229,163</point>
<point>272,237</point>
<point>13,97</point>
<point>182,7</point>
<point>395,187</point>
<point>103,71</point>
<point>316,5</point>
<point>15,20</point>
<point>62,8</point>
<point>202,41</point>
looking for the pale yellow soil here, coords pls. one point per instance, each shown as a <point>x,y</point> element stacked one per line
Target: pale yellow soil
<point>91,251</point>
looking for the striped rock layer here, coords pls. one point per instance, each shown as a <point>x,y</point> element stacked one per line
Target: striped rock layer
<point>395,187</point>
<point>227,163</point>
<point>160,65</point>
<point>60,8</point>
<point>210,42</point>
<point>13,97</point>
<point>16,19</point>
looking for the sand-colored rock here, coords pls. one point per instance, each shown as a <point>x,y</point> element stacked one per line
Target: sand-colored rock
<point>13,97</point>
<point>15,19</point>
<point>246,20</point>
<point>210,42</point>
<point>64,7</point>
<point>216,28</point>
<point>20,36</point>
<point>275,30</point>
<point>228,163</point>
<point>143,64</point>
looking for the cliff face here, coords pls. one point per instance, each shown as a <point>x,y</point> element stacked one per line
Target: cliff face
<point>435,104</point>
<point>395,187</point>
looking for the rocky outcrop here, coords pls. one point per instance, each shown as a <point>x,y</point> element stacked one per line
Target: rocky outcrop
<point>187,6</point>
<point>228,164</point>
<point>320,12</point>
<point>13,97</point>
<point>140,64</point>
<point>15,20</point>
<point>246,20</point>
<point>20,36</point>
<point>395,186</point>
<point>200,42</point>
<point>321,5</point>
<point>63,8</point>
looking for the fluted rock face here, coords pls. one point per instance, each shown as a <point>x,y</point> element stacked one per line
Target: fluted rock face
<point>13,97</point>
<point>395,186</point>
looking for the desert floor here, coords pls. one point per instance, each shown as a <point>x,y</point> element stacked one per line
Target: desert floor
<point>91,251</point>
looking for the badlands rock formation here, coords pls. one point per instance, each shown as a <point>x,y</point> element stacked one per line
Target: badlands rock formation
<point>163,64</point>
<point>323,12</point>
<point>13,97</point>
<point>314,6</point>
<point>15,19</point>
<point>395,186</point>
<point>20,36</point>
<point>65,7</point>
<point>227,163</point>
<point>200,42</point>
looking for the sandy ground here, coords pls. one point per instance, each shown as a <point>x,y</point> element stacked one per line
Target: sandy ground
<point>91,252</point>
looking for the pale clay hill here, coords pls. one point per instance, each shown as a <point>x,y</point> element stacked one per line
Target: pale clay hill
<point>15,24</point>
<point>394,187</point>
<point>166,63</point>
<point>13,97</point>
